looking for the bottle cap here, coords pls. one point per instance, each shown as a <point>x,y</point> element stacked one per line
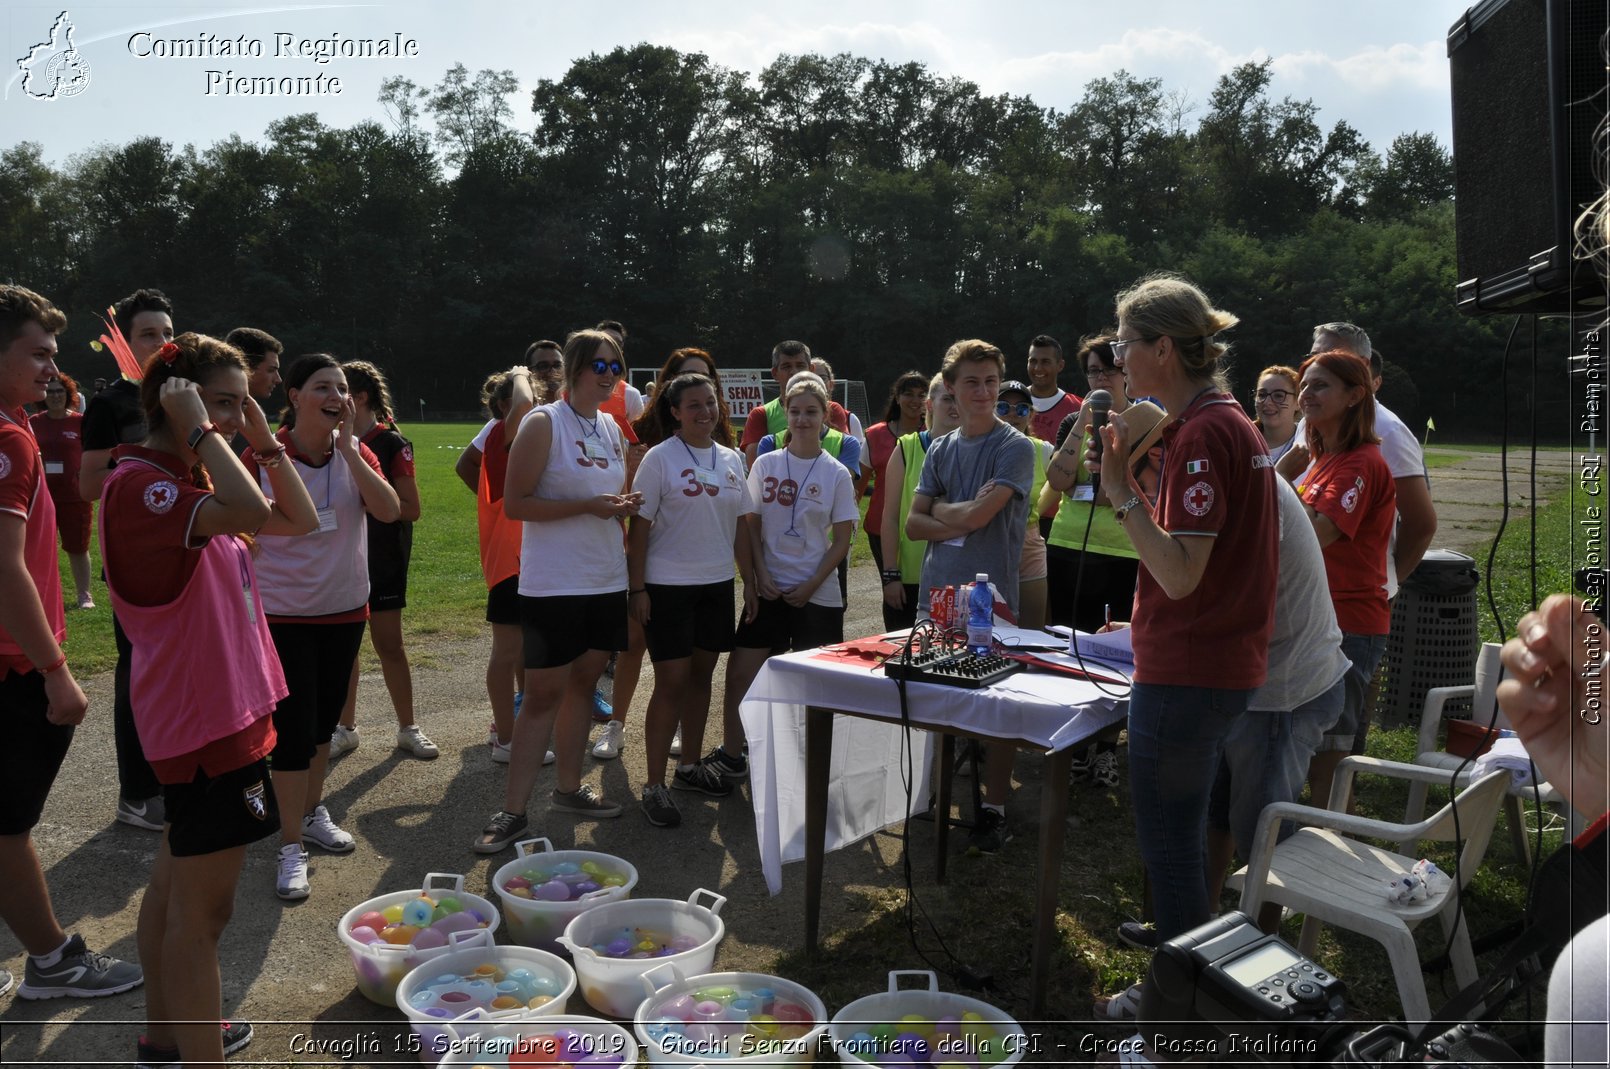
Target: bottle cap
<point>981,577</point>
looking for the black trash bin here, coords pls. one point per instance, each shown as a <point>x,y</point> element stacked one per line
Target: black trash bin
<point>1433,641</point>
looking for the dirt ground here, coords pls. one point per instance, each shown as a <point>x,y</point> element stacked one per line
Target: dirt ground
<point>283,967</point>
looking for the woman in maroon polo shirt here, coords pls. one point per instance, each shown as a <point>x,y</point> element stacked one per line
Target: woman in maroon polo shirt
<point>1204,603</point>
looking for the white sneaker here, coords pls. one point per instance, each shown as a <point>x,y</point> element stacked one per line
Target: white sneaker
<point>292,883</point>
<point>319,829</point>
<point>502,751</point>
<point>676,742</point>
<point>414,741</point>
<point>610,743</point>
<point>344,741</point>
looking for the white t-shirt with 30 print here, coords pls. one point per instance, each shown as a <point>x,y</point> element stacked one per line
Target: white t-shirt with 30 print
<point>693,497</point>
<point>798,502</point>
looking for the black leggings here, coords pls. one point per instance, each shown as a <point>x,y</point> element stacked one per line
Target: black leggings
<point>317,660</point>
<point>136,781</point>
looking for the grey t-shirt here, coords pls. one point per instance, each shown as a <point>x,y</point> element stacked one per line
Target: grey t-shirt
<point>954,470</point>
<point>1305,649</point>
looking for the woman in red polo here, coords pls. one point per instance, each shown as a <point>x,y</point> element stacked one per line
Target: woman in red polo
<point>204,677</point>
<point>1351,498</point>
<point>1205,596</point>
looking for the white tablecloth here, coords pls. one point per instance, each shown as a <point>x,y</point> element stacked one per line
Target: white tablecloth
<point>866,792</point>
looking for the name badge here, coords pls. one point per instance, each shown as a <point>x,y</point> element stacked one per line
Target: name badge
<point>707,478</point>
<point>1084,492</point>
<point>594,450</point>
<point>326,520</point>
<point>251,603</point>
<point>54,467</point>
<point>792,545</point>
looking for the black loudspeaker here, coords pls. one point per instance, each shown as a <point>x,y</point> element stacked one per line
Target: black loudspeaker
<point>1529,89</point>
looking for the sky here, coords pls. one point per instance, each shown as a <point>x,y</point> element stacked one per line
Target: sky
<point>1380,65</point>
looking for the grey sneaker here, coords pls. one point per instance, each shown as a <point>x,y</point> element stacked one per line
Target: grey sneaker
<point>291,883</point>
<point>585,800</point>
<point>659,808</point>
<point>1140,936</point>
<point>413,741</point>
<point>503,829</point>
<point>343,741</point>
<point>733,770</point>
<point>6,980</point>
<point>81,973</point>
<point>676,742</point>
<point>703,778</point>
<point>990,832</point>
<point>321,831</point>
<point>148,814</point>
<point>1104,769</point>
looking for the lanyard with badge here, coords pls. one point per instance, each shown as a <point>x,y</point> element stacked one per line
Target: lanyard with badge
<point>245,579</point>
<point>704,475</point>
<point>326,511</point>
<point>793,540</point>
<point>592,442</point>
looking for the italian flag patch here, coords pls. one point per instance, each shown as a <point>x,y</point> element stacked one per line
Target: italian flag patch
<point>1196,467</point>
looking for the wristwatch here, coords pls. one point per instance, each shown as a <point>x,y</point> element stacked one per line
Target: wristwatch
<point>1123,510</point>
<point>198,434</point>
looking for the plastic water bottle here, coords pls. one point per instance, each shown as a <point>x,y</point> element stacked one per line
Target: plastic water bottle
<point>980,616</point>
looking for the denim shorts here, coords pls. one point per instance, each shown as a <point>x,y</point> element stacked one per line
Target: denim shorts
<point>1365,651</point>
<point>1266,757</point>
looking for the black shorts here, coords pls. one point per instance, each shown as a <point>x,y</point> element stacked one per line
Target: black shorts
<point>213,813</point>
<point>558,630</point>
<point>685,618</point>
<point>317,660</point>
<point>503,602</point>
<point>390,549</point>
<point>779,627</point>
<point>32,754</point>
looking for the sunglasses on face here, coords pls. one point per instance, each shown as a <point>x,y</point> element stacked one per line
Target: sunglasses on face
<point>613,367</point>
<point>1006,408</point>
<point>546,365</point>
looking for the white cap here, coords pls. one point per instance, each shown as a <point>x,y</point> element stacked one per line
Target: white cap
<point>981,577</point>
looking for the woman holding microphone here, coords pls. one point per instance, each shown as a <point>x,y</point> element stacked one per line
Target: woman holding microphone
<point>1204,606</point>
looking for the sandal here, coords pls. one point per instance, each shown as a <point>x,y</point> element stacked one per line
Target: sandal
<point>1124,1006</point>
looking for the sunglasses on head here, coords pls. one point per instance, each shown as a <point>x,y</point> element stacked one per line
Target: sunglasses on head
<point>1005,408</point>
<point>613,367</point>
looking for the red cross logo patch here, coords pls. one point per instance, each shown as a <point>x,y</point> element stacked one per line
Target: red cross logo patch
<point>1199,499</point>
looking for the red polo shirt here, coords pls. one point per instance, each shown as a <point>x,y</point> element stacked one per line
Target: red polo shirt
<point>1355,491</point>
<point>1217,482</point>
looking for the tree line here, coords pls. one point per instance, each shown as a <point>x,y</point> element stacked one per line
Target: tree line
<point>878,211</point>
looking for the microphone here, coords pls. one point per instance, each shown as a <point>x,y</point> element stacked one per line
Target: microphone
<point>1099,404</point>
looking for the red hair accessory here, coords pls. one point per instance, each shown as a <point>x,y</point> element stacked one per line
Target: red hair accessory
<point>168,353</point>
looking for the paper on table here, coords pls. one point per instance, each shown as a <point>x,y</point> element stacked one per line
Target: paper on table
<point>1107,646</point>
<point>1023,638</point>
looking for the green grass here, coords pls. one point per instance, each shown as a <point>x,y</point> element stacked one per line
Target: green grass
<point>1510,574</point>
